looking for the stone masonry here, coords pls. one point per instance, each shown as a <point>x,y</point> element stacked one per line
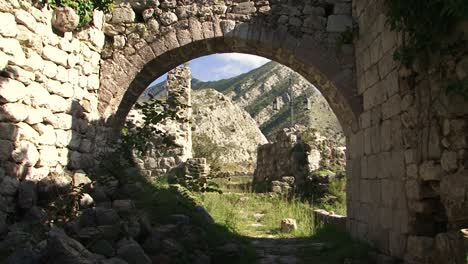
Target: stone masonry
<point>289,156</point>
<point>65,96</point>
<point>159,159</point>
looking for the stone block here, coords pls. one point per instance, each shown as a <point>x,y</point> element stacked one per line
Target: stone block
<point>365,191</point>
<point>26,153</point>
<point>9,28</point>
<point>373,166</point>
<point>24,18</point>
<point>429,171</point>
<point>391,107</point>
<point>386,135</point>
<point>387,194</point>
<point>123,15</point>
<point>420,247</point>
<point>55,55</point>
<point>15,112</point>
<point>342,9</point>
<point>339,23</point>
<point>449,161</point>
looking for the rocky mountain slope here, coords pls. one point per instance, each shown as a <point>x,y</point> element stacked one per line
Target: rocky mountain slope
<point>258,90</point>
<point>224,131</point>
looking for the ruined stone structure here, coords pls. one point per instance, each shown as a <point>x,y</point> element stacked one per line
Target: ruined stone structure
<point>159,158</point>
<point>63,100</point>
<point>289,156</point>
<point>230,128</point>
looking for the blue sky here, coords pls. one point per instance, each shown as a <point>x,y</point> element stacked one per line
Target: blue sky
<point>221,66</point>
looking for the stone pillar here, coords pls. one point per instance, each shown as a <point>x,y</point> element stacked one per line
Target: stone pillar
<point>179,85</point>
<point>160,158</point>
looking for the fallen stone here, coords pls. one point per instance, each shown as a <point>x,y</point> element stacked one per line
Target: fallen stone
<point>106,216</point>
<point>62,249</point>
<point>123,207</point>
<point>288,225</point>
<point>123,15</point>
<point>65,19</point>
<point>130,251</point>
<point>86,200</point>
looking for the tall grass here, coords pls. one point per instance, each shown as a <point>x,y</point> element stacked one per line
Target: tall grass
<point>258,215</point>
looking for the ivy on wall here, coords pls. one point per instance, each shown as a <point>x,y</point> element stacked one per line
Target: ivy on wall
<point>428,27</point>
<point>84,8</point>
<point>426,24</point>
<point>154,112</point>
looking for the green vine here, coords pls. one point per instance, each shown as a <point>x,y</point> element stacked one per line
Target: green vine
<point>425,23</point>
<point>84,8</point>
<point>154,112</point>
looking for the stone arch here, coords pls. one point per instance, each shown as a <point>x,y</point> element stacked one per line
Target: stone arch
<point>329,66</point>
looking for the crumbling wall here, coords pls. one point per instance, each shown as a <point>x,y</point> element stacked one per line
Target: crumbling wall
<point>290,156</point>
<point>161,157</point>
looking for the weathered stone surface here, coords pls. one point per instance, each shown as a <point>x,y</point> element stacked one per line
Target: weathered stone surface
<point>339,23</point>
<point>6,147</point>
<point>24,18</point>
<point>106,216</point>
<point>420,246</point>
<point>15,112</point>
<point>430,171</point>
<point>168,18</point>
<point>26,153</point>
<point>8,28</point>
<point>9,186</point>
<point>65,19</point>
<point>63,249</point>
<point>131,252</point>
<point>244,8</point>
<point>11,90</point>
<point>55,55</point>
<point>288,225</point>
<point>123,15</point>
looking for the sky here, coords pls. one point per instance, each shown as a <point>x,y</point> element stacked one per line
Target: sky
<point>221,66</point>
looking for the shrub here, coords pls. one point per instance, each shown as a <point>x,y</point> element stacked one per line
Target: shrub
<point>84,8</point>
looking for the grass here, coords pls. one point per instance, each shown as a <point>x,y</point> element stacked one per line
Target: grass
<point>336,202</point>
<point>242,217</point>
<point>258,215</point>
<point>159,201</point>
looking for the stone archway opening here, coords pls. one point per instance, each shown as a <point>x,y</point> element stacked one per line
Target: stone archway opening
<point>279,101</point>
<point>320,58</point>
<point>177,75</point>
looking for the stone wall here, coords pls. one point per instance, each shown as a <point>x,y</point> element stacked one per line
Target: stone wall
<point>407,179</point>
<point>290,156</point>
<point>160,158</point>
<point>406,138</point>
<point>48,92</point>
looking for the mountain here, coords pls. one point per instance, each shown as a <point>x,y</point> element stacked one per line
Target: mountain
<point>224,133</point>
<point>259,90</point>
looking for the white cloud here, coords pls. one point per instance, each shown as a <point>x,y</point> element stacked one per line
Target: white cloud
<point>236,63</point>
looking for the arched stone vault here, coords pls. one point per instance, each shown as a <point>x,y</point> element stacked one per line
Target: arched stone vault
<point>327,64</point>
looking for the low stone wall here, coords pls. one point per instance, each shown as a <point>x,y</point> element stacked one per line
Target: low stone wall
<point>161,158</point>
<point>291,156</point>
<point>324,218</point>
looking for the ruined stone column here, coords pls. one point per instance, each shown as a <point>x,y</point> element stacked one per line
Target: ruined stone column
<point>179,82</point>
<point>160,158</point>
